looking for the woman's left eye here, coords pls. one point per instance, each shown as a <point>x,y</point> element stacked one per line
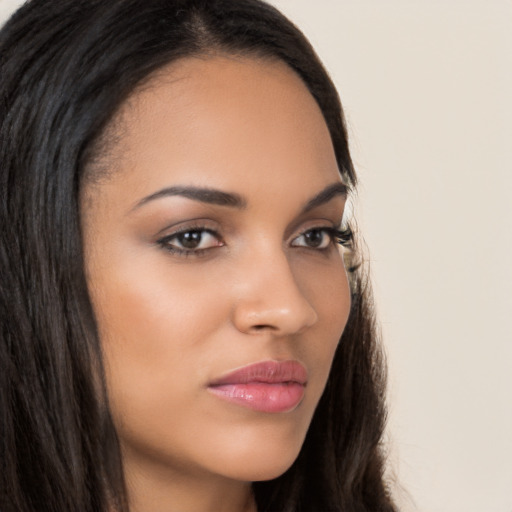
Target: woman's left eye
<point>316,238</point>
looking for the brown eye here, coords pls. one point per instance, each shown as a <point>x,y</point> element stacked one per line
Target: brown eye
<point>191,241</point>
<point>314,238</point>
<point>317,238</point>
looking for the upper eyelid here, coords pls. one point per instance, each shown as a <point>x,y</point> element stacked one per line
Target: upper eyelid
<point>213,228</point>
<point>179,232</point>
<point>327,224</point>
<point>331,225</point>
<point>190,225</point>
<point>182,231</point>
<point>331,216</point>
<point>328,229</point>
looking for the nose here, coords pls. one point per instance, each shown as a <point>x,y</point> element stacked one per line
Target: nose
<point>270,299</point>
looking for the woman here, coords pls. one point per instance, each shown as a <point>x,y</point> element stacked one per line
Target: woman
<point>174,175</point>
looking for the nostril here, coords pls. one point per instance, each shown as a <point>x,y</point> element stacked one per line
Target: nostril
<point>262,327</point>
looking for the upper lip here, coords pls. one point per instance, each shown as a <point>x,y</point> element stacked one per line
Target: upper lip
<point>267,372</point>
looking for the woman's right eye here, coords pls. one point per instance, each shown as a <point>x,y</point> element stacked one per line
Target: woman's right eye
<point>191,241</point>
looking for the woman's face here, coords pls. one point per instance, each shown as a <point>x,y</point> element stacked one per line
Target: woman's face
<point>209,249</point>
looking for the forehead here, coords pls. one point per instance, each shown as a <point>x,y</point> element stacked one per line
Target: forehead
<point>227,122</point>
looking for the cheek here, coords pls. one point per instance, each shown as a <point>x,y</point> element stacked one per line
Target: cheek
<point>160,327</point>
<point>164,327</point>
<point>155,326</point>
<point>328,290</point>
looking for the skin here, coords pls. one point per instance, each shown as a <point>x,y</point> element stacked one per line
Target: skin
<point>170,323</point>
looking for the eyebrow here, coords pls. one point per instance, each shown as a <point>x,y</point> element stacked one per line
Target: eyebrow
<point>204,195</point>
<point>325,195</point>
<point>233,200</point>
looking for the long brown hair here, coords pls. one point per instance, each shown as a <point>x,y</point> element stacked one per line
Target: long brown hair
<point>66,66</point>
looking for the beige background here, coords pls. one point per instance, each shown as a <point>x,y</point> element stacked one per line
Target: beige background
<point>427,88</point>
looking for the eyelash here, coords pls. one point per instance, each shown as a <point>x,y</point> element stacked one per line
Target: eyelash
<point>165,242</point>
<point>342,237</point>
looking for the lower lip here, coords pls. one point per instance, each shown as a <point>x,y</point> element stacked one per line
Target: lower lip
<point>263,397</point>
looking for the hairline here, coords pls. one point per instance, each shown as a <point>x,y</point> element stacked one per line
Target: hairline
<point>100,163</point>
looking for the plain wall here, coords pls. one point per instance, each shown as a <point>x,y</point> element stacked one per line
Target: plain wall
<point>426,87</point>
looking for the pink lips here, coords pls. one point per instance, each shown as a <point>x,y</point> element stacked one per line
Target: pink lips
<point>270,386</point>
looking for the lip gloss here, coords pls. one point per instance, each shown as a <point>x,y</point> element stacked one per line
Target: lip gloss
<point>269,386</point>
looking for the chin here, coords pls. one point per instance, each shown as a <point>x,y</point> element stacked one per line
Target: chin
<point>249,472</point>
<point>271,473</point>
<point>263,461</point>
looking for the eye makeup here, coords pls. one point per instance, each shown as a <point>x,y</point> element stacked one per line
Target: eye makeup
<point>198,239</point>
